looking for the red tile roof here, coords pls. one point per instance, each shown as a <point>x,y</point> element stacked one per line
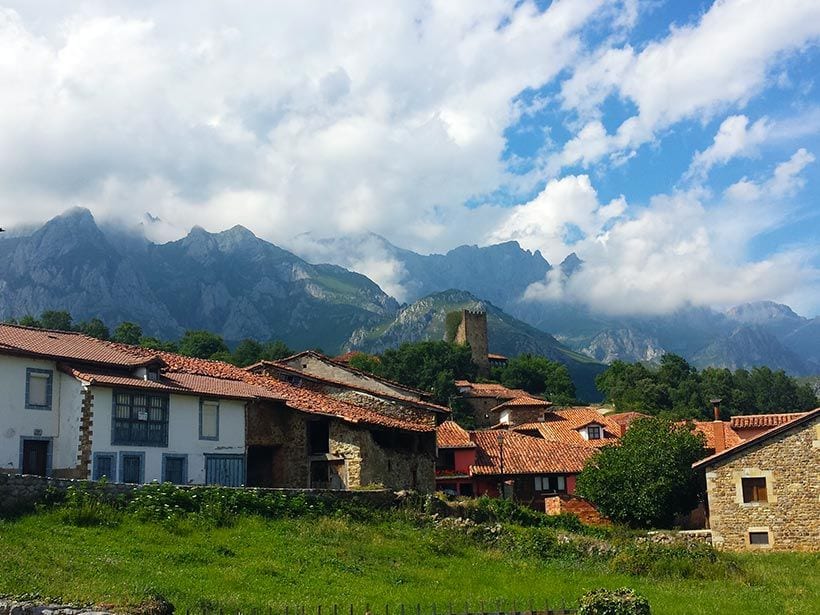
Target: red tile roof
<point>171,382</point>
<point>488,389</point>
<point>757,421</point>
<point>353,370</point>
<point>707,428</point>
<point>451,435</point>
<point>15,339</point>
<point>562,425</point>
<point>523,402</point>
<point>109,363</point>
<point>760,438</point>
<point>526,455</point>
<point>625,419</point>
<point>258,368</point>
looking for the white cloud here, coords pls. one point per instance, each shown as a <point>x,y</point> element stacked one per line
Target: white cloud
<point>694,72</point>
<point>283,117</point>
<point>735,137</point>
<point>681,249</point>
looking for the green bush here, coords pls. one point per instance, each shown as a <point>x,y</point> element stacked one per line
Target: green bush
<point>87,505</point>
<point>623,601</point>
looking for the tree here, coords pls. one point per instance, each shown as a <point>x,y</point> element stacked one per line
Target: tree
<point>157,344</point>
<point>364,362</point>
<point>247,352</point>
<point>201,344</point>
<point>632,387</point>
<point>56,320</point>
<point>29,321</point>
<point>95,328</point>
<point>275,350</point>
<point>431,366</point>
<point>538,375</point>
<point>647,479</point>
<point>127,333</point>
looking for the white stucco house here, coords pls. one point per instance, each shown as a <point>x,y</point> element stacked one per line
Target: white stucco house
<point>77,407</point>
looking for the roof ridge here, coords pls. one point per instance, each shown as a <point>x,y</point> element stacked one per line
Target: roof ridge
<point>43,329</point>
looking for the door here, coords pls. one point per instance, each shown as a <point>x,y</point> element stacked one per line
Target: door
<point>35,457</point>
<point>226,470</point>
<point>174,470</point>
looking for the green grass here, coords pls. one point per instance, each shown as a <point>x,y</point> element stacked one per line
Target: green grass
<point>270,563</point>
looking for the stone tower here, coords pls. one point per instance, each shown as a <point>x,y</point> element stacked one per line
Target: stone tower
<point>473,331</point>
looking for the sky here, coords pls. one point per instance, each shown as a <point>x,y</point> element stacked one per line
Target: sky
<point>672,145</point>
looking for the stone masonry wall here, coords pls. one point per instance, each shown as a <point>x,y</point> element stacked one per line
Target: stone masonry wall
<point>791,464</point>
<point>396,468</point>
<point>473,331</point>
<point>387,408</point>
<point>21,492</point>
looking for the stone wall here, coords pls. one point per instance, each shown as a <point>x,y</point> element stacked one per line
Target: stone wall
<point>790,462</point>
<point>19,493</point>
<point>480,408</point>
<point>586,512</point>
<point>403,460</point>
<point>473,331</point>
<point>397,410</point>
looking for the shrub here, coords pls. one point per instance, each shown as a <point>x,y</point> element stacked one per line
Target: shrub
<point>623,601</point>
<point>87,505</point>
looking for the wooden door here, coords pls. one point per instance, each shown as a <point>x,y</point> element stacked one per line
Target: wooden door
<point>35,457</point>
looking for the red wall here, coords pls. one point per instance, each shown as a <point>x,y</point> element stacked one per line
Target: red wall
<point>464,458</point>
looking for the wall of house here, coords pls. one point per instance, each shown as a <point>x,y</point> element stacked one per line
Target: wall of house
<point>59,424</point>
<point>480,407</point>
<point>324,369</point>
<point>183,434</point>
<point>518,415</point>
<point>396,467</point>
<point>464,458</point>
<point>790,462</point>
<point>285,431</point>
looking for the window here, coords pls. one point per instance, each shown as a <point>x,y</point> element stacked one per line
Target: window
<point>38,388</point>
<point>140,419</point>
<point>132,468</point>
<point>550,483</point>
<point>175,469</point>
<point>105,464</point>
<point>594,432</point>
<point>754,489</point>
<point>208,420</point>
<point>446,459</point>
<point>758,538</point>
<point>318,437</point>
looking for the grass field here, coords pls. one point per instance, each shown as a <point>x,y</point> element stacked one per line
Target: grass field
<point>258,563</point>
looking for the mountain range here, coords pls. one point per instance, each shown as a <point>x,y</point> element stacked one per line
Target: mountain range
<point>239,285</point>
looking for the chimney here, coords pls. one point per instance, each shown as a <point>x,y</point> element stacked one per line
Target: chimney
<point>717,427</point>
<point>716,407</point>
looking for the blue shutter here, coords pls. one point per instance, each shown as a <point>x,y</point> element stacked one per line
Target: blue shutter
<point>226,470</point>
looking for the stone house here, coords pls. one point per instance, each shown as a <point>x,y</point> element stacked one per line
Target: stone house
<point>764,493</point>
<point>79,407</point>
<point>481,398</point>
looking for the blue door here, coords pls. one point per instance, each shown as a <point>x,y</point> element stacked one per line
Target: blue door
<point>227,470</point>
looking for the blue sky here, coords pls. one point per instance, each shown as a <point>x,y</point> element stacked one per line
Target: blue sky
<point>672,145</point>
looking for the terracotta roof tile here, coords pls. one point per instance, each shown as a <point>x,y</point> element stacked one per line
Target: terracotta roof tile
<point>523,402</point>
<point>802,419</point>
<point>707,428</point>
<point>259,368</point>
<point>353,370</point>
<point>69,345</point>
<point>756,421</point>
<point>625,419</point>
<point>526,455</point>
<point>488,389</point>
<point>562,425</point>
<point>451,435</point>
